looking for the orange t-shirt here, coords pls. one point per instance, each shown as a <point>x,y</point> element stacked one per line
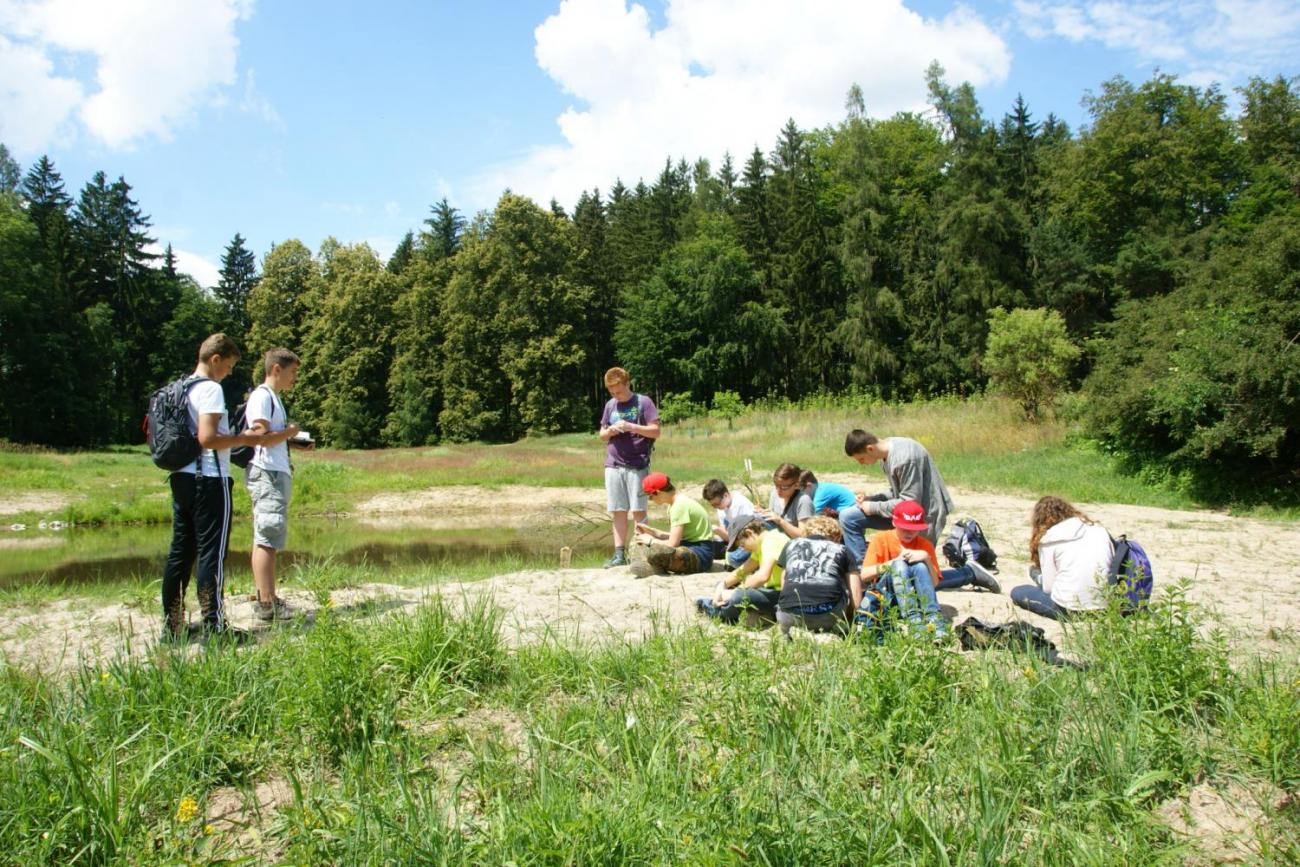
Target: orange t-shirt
<point>885,546</point>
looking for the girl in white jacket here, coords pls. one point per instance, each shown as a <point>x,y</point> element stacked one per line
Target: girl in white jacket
<point>1071,554</point>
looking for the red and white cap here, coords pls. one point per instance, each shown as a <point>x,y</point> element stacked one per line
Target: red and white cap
<point>908,515</point>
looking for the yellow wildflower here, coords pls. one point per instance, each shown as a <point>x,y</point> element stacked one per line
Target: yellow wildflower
<point>103,675</point>
<point>187,810</point>
<point>209,830</point>
<point>1029,672</point>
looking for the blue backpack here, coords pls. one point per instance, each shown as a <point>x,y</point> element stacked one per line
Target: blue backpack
<point>1132,566</point>
<point>966,541</point>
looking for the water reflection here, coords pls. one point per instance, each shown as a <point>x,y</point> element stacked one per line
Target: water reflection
<point>88,556</point>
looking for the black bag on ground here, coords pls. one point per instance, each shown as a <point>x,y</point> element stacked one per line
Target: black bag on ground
<point>172,444</point>
<point>975,634</point>
<point>966,541</point>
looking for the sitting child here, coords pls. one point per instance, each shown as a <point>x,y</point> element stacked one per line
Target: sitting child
<point>828,498</point>
<point>821,587</point>
<point>1070,554</point>
<point>754,586</point>
<point>731,508</point>
<point>902,565</point>
<point>688,544</point>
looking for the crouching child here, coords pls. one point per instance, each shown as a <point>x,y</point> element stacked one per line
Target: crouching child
<point>756,584</point>
<point>820,587</point>
<point>901,564</point>
<point>686,547</point>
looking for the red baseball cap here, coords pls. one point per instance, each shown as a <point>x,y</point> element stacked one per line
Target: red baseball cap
<point>908,515</point>
<point>654,483</point>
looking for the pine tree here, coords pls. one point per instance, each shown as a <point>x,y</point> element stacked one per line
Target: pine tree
<point>402,256</point>
<point>11,173</point>
<point>753,221</point>
<point>442,240</point>
<point>238,278</point>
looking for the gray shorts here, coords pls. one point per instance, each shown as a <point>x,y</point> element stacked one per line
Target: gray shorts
<point>270,492</point>
<point>623,491</point>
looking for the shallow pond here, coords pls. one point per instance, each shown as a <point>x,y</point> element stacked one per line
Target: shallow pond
<point>103,555</point>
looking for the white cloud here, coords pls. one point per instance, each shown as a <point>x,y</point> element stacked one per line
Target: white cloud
<point>203,270</point>
<point>1202,40</point>
<point>155,62</point>
<point>725,75</point>
<point>35,104</point>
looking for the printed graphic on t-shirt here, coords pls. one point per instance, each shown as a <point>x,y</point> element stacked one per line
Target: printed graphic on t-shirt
<point>815,572</point>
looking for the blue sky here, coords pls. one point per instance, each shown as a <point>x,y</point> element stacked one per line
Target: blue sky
<point>282,120</point>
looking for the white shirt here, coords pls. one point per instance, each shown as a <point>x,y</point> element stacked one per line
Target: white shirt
<point>740,505</point>
<point>207,398</point>
<point>1075,559</point>
<point>264,405</point>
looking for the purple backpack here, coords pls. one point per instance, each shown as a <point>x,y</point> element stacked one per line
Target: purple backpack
<point>1132,566</point>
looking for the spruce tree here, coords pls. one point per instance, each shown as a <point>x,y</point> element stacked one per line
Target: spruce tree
<point>442,239</point>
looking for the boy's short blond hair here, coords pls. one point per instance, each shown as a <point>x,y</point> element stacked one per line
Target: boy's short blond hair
<point>821,525</point>
<point>616,376</point>
<point>218,344</point>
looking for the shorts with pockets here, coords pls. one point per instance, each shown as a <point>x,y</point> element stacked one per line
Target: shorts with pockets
<point>623,491</point>
<point>270,491</point>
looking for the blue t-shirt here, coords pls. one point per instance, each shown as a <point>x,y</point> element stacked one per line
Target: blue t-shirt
<point>828,495</point>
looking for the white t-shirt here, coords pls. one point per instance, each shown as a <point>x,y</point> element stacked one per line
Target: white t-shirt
<point>207,398</point>
<point>264,404</point>
<point>740,505</point>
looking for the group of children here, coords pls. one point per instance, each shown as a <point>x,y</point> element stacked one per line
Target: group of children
<point>811,558</point>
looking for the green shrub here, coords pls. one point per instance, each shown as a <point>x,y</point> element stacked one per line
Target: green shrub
<point>1205,381</point>
<point>1029,356</point>
<point>677,406</point>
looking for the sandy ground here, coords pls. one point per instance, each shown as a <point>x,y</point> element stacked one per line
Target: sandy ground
<point>1233,567</point>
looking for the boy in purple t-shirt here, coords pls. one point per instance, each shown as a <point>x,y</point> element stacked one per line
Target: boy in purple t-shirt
<point>629,426</point>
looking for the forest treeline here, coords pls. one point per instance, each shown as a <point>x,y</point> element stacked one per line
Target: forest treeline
<point>869,254</point>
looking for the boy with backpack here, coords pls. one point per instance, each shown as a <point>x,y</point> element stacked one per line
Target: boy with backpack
<point>629,426</point>
<point>201,488</point>
<point>269,477</point>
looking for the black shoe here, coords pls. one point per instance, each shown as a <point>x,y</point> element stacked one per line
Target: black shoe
<point>984,578</point>
<point>619,559</point>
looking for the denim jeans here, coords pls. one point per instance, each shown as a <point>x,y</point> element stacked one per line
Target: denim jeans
<point>951,579</point>
<point>854,524</point>
<point>908,588</point>
<point>1037,600</point>
<point>760,600</point>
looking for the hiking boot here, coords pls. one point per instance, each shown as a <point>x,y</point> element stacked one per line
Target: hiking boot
<point>277,609</point>
<point>619,559</point>
<point>984,578</point>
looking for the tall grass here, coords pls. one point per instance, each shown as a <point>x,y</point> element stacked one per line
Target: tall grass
<point>422,738</point>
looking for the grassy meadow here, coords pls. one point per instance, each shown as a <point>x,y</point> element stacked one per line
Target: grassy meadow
<point>425,737</point>
<point>982,443</point>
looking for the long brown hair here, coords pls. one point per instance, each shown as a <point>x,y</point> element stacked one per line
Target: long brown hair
<point>1048,512</point>
<point>787,472</point>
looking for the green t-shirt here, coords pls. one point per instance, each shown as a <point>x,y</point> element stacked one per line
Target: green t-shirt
<point>770,546</point>
<point>685,512</point>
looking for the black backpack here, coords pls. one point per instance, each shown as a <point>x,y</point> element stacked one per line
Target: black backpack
<point>242,456</point>
<point>965,542</point>
<point>172,444</point>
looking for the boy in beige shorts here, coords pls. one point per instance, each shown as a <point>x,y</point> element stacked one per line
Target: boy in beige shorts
<point>270,477</point>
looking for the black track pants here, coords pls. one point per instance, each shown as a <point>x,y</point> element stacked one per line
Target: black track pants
<point>200,531</point>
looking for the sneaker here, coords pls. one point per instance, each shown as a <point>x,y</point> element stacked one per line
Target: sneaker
<point>277,609</point>
<point>619,559</point>
<point>984,578</point>
<point>706,607</point>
